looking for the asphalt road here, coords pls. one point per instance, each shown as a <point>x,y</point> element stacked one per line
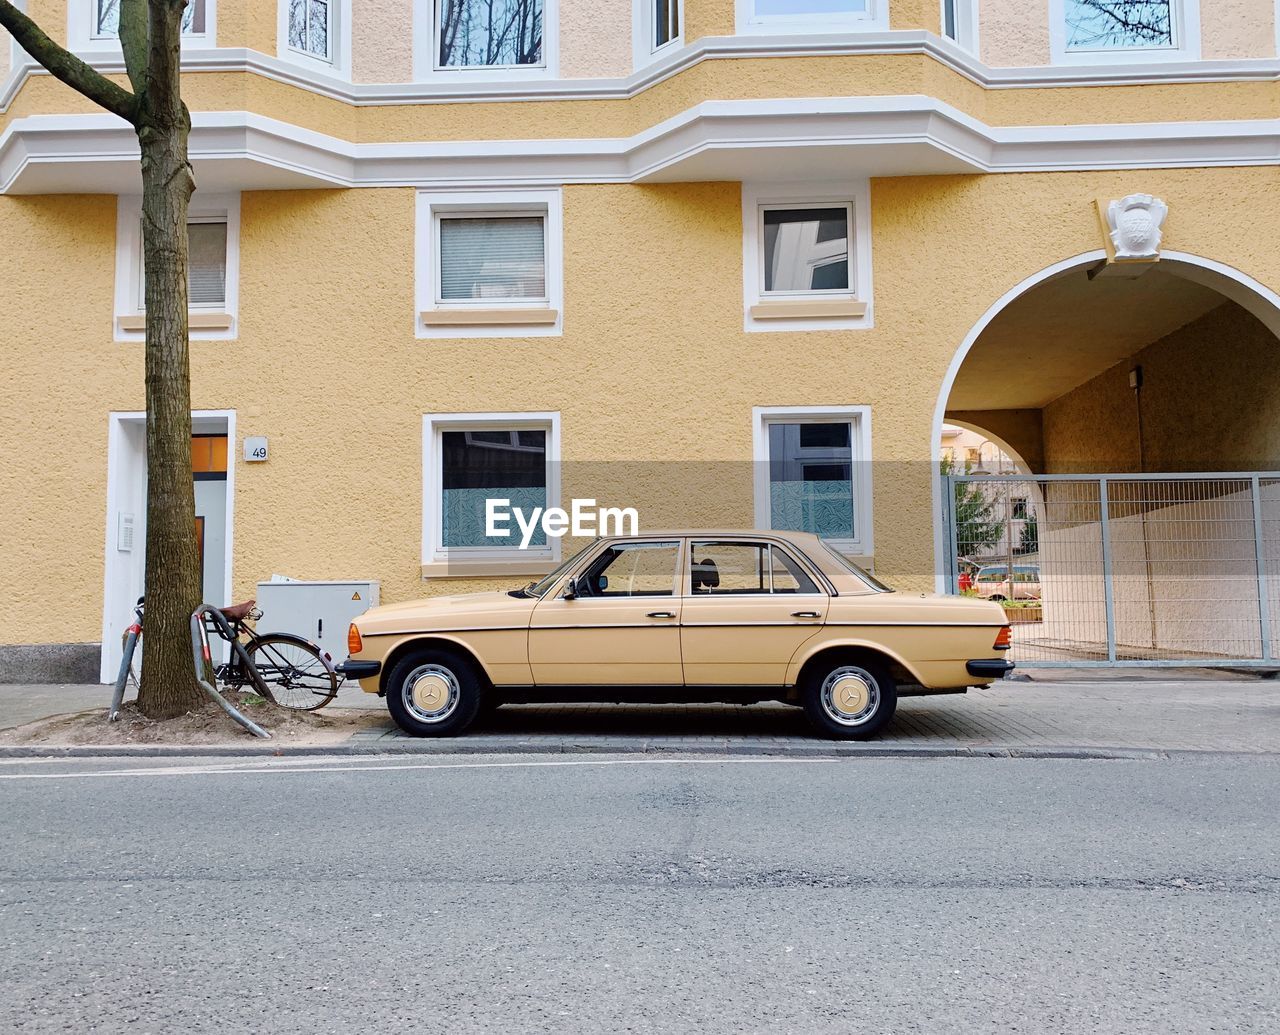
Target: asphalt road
<point>641,895</point>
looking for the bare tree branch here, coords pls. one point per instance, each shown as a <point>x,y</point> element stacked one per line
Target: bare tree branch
<point>65,66</point>
<point>134,29</point>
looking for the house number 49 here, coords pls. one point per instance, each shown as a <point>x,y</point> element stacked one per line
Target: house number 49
<point>255,449</point>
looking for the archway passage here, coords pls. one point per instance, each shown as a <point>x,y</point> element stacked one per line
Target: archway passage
<point>1145,404</point>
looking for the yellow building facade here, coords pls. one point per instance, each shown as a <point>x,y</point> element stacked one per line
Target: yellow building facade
<point>569,253</point>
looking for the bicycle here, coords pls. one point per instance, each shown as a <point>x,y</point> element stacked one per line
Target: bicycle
<point>288,670</point>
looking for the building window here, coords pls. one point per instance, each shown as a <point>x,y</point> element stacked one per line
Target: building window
<point>309,28</point>
<point>806,249</point>
<point>666,22</point>
<point>489,264</point>
<point>812,473</point>
<point>1124,30</point>
<point>809,15</point>
<point>213,235</point>
<point>806,260</point>
<point>488,33</point>
<point>106,19</point>
<point>487,257</point>
<point>960,23</point>
<point>470,459</point>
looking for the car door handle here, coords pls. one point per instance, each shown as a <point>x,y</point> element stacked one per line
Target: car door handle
<point>805,614</point>
<point>662,614</point>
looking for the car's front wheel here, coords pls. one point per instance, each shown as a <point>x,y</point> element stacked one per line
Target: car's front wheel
<point>434,693</point>
<point>849,700</point>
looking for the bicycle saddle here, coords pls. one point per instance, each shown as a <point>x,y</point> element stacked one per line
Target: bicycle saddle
<point>238,612</point>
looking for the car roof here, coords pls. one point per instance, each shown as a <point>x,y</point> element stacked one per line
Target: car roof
<point>807,538</point>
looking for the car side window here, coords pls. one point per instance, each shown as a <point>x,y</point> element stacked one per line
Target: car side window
<point>720,569</point>
<point>631,570</point>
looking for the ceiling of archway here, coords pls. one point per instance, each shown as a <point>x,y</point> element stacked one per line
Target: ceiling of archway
<point>1067,330</point>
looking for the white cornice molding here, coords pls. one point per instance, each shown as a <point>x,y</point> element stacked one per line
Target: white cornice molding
<point>709,48</point>
<point>877,136</point>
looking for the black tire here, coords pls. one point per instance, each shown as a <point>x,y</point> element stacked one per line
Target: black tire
<point>450,690</point>
<point>293,671</point>
<point>849,699</point>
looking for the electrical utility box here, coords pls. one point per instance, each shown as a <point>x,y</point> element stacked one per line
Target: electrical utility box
<point>319,611</point>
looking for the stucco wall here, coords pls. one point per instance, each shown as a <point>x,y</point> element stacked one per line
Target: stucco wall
<point>595,38</point>
<point>1210,395</point>
<point>1013,32</point>
<point>1237,29</point>
<point>1020,430</point>
<point>327,366</point>
<point>382,41</point>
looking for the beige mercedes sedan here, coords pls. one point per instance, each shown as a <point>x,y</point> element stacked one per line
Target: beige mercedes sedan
<point>681,616</point>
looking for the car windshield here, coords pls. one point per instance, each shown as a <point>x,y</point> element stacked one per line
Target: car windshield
<point>540,588</point>
<point>862,573</point>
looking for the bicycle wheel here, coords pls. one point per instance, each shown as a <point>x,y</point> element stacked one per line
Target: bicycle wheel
<point>293,671</point>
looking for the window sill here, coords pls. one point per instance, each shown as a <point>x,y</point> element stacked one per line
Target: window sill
<point>478,568</point>
<point>806,310</point>
<point>488,317</point>
<point>195,322</point>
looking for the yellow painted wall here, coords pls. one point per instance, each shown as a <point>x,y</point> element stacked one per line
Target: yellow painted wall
<point>327,366</point>
<point>1210,396</point>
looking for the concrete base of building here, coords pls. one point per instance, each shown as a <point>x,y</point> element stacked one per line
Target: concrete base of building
<point>50,662</point>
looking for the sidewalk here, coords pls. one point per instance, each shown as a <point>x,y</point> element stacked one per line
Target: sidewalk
<point>1012,718</point>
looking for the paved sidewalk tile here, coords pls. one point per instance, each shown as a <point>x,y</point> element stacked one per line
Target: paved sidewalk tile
<point>1231,714</point>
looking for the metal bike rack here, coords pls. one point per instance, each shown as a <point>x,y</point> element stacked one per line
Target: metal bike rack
<point>203,658</point>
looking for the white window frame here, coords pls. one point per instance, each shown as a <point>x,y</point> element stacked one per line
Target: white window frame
<point>1186,22</point>
<point>643,29</point>
<point>874,19</point>
<point>966,15</point>
<point>514,560</point>
<point>338,63</point>
<point>431,206</point>
<point>859,417</point>
<point>756,198</point>
<point>80,37</point>
<point>425,52</point>
<point>129,300</point>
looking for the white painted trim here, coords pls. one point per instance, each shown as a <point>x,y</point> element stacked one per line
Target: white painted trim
<point>1254,296</point>
<point>643,30</point>
<point>128,279</point>
<point>860,440</point>
<point>874,17</point>
<point>424,54</point>
<point>339,61</point>
<point>433,553</point>
<point>1186,34</point>
<point>278,155</point>
<point>755,198</point>
<point>430,205</point>
<point>466,88</point>
<point>80,38</point>
<point>114,624</point>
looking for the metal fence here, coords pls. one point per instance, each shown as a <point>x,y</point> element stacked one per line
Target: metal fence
<point>1145,569</point>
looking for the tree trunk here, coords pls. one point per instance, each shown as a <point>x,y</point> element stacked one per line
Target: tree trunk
<point>173,576</point>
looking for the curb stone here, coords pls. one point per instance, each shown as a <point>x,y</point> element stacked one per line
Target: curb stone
<point>803,750</point>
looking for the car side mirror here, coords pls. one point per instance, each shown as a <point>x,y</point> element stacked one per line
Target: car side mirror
<point>570,590</point>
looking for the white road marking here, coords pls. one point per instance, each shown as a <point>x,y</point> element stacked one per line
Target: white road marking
<point>287,766</point>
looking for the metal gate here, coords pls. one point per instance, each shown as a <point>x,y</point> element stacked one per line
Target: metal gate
<point>1117,569</point>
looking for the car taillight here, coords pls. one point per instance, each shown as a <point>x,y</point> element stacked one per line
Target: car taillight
<point>355,645</point>
<point>1004,638</point>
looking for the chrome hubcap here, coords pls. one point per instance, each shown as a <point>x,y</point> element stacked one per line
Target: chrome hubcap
<point>431,693</point>
<point>850,695</point>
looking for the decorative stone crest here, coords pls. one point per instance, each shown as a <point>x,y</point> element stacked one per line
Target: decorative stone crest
<point>1135,223</point>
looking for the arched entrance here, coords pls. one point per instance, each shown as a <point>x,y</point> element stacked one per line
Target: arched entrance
<point>1144,404</point>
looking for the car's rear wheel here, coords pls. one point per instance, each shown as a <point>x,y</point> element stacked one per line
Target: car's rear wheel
<point>849,699</point>
<point>434,693</point>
